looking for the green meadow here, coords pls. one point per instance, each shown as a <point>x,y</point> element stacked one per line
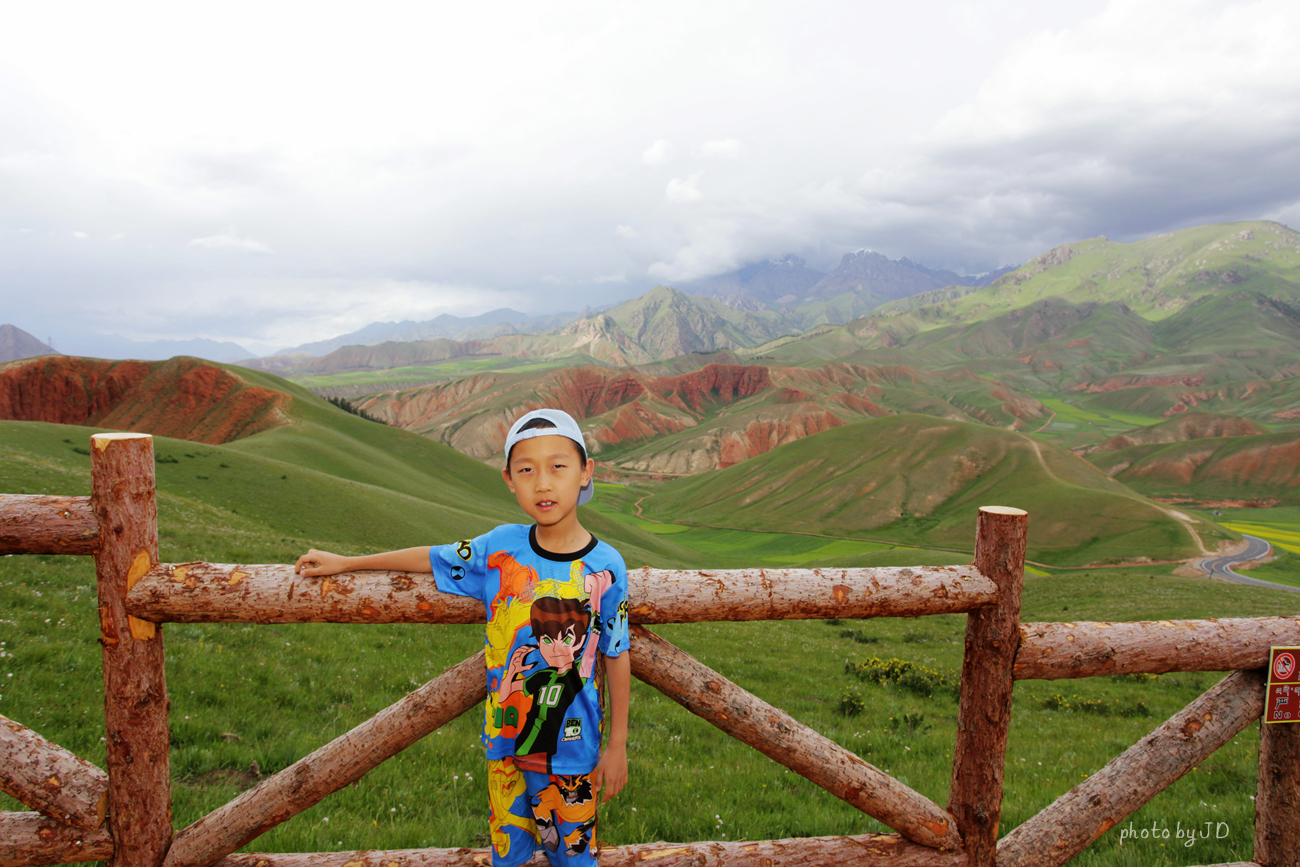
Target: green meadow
<point>410,376</point>
<point>248,700</point>
<point>1072,425</point>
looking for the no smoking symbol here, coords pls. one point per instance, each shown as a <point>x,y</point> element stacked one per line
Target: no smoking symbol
<point>1283,665</point>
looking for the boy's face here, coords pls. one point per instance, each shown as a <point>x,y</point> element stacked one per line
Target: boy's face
<point>545,475</point>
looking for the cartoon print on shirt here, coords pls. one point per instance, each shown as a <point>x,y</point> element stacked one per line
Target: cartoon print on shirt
<point>559,627</point>
<point>537,675</point>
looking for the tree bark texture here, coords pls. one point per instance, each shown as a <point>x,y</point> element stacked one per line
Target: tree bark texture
<point>30,838</point>
<point>868,850</point>
<point>135,690</point>
<point>37,524</point>
<point>984,709</point>
<point>1050,651</point>
<point>1277,801</point>
<point>782,738</point>
<point>1066,826</point>
<point>213,593</point>
<point>48,778</point>
<point>342,761</point>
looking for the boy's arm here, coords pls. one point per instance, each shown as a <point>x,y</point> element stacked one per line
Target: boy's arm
<point>611,770</point>
<point>316,563</point>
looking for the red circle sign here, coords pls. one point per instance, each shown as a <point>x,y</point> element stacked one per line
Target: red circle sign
<point>1283,665</point>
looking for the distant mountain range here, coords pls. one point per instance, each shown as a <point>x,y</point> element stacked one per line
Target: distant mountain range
<point>1089,343</point>
<point>1129,298</point>
<point>16,343</point>
<point>494,323</point>
<point>800,296</point>
<point>870,276</point>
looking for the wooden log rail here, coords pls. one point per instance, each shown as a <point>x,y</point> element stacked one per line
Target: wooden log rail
<point>38,524</point>
<point>1081,815</point>
<point>1049,651</point>
<point>34,839</point>
<point>782,738</point>
<point>135,687</point>
<point>865,850</point>
<point>212,593</point>
<point>48,778</point>
<point>341,762</point>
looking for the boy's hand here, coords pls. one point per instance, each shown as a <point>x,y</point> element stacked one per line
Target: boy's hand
<point>316,563</point>
<point>610,774</point>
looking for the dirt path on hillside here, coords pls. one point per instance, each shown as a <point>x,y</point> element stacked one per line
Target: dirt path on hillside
<point>1185,520</point>
<point>893,543</point>
<point>1051,418</point>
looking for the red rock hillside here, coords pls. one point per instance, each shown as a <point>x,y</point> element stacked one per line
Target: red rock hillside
<point>712,417</point>
<point>1183,427</point>
<point>186,398</point>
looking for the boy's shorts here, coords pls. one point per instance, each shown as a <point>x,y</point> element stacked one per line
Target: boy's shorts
<point>529,807</point>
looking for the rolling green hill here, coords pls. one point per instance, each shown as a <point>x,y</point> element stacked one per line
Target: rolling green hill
<point>1259,468</point>
<point>910,478</point>
<point>1155,277</point>
<point>325,479</point>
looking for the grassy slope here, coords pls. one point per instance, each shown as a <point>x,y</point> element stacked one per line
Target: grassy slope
<point>1247,467</point>
<point>916,479</point>
<point>1154,277</point>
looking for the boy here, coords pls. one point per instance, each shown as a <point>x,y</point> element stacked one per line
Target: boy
<point>556,601</point>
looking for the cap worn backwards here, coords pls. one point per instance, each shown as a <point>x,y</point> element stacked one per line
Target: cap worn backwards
<point>564,426</point>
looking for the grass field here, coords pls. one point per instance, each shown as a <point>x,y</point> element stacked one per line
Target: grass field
<point>421,374</point>
<point>245,695</point>
<point>1073,425</point>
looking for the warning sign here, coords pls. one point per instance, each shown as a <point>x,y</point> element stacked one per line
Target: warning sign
<point>1283,694</point>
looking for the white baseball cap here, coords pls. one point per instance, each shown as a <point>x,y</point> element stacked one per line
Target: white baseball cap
<point>563,425</point>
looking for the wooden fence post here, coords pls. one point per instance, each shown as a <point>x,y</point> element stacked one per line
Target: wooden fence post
<point>1277,802</point>
<point>135,692</point>
<point>984,715</point>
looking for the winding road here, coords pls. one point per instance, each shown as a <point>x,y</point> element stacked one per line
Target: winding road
<point>1256,549</point>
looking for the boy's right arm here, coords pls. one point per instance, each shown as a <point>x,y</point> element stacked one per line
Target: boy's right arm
<point>316,563</point>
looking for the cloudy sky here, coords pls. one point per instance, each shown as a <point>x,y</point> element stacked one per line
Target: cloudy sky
<point>275,173</point>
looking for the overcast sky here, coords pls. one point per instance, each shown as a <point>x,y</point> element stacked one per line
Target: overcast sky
<point>275,173</point>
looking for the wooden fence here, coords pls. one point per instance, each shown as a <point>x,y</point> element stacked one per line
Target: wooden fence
<point>124,816</point>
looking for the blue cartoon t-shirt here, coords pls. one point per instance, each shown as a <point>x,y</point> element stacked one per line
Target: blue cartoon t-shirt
<point>548,616</point>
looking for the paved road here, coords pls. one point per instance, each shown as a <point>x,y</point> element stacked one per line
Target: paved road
<point>1221,567</point>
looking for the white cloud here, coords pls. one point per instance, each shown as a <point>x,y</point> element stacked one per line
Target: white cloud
<point>625,231</point>
<point>685,190</point>
<point>80,236</point>
<point>727,148</point>
<point>230,241</point>
<point>552,280</point>
<point>620,277</point>
<point>656,154</point>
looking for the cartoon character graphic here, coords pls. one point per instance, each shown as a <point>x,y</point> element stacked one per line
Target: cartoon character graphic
<point>568,801</point>
<point>560,628</point>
